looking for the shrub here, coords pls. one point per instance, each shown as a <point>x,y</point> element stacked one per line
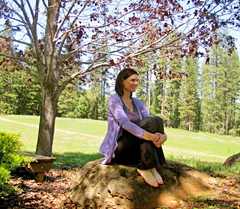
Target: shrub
<point>82,109</point>
<point>10,145</point>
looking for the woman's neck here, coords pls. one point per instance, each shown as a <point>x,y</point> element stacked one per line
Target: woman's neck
<point>126,96</point>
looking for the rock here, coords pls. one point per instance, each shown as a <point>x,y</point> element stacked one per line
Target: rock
<point>120,186</point>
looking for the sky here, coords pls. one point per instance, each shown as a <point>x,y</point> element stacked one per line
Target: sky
<point>236,34</point>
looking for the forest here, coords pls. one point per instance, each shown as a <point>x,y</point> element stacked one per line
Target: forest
<point>59,60</point>
<point>189,94</point>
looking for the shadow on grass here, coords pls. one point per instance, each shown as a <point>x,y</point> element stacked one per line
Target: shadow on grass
<point>74,159</point>
<point>70,160</point>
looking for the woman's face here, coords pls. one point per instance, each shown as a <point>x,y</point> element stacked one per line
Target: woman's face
<point>130,84</point>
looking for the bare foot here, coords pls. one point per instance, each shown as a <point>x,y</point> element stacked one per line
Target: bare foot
<point>156,175</point>
<point>148,177</point>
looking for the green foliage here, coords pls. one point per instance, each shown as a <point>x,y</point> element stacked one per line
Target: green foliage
<point>170,84</point>
<point>220,90</point>
<point>102,109</point>
<point>143,83</point>
<point>68,101</point>
<point>18,93</point>
<point>189,108</point>
<point>10,145</point>
<point>5,188</point>
<point>156,103</point>
<point>82,108</point>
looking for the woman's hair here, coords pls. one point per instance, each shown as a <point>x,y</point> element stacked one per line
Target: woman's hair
<point>124,74</point>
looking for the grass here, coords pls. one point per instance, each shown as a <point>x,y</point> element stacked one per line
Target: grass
<point>77,141</point>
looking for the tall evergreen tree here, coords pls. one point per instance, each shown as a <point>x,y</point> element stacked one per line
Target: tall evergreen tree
<point>69,100</point>
<point>189,98</point>
<point>220,87</point>
<point>170,84</point>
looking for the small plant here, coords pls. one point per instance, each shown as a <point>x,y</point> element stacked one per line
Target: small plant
<point>10,145</point>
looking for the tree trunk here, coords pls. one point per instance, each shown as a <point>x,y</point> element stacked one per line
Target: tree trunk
<point>47,123</point>
<point>163,94</point>
<point>96,107</point>
<point>149,91</point>
<point>49,75</point>
<point>232,160</point>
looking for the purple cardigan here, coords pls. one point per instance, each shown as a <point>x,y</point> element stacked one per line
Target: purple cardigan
<point>117,121</point>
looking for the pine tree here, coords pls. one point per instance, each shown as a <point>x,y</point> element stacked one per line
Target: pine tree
<point>189,98</point>
<point>69,100</point>
<point>220,87</point>
<point>170,83</point>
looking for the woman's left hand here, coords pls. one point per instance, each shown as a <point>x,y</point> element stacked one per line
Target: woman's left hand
<point>162,139</point>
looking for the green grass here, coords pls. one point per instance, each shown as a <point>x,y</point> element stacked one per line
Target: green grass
<point>77,141</point>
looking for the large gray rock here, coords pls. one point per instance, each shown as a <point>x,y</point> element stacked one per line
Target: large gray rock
<point>119,186</point>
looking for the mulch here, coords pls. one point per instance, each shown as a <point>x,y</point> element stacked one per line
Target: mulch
<point>53,193</point>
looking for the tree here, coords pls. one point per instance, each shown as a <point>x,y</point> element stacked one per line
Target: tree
<point>19,92</point>
<point>82,108</point>
<point>189,97</point>
<point>220,89</point>
<point>144,84</point>
<point>61,39</point>
<point>172,93</point>
<point>69,100</point>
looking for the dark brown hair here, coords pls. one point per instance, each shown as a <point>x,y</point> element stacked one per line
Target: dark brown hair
<point>124,74</point>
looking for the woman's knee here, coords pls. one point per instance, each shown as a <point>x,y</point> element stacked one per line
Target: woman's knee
<point>158,119</point>
<point>148,124</point>
<point>160,124</point>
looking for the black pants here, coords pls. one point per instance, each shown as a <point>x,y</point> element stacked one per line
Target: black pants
<point>133,150</point>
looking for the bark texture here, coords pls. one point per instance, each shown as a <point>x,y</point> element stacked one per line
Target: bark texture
<point>232,160</point>
<point>49,75</point>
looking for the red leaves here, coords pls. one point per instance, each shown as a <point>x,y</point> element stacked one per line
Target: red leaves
<point>79,34</point>
<point>94,17</point>
<point>198,3</point>
<point>204,14</point>
<point>10,65</point>
<point>162,73</point>
<point>134,20</point>
<point>207,61</point>
<point>112,62</point>
<point>7,23</point>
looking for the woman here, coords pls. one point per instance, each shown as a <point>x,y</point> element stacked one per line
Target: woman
<point>133,136</point>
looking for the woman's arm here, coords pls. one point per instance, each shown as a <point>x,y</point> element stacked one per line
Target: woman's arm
<point>115,110</point>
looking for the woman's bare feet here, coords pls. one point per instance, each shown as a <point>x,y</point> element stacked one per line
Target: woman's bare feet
<point>156,175</point>
<point>148,177</point>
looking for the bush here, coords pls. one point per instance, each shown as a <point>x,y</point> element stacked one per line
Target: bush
<point>10,145</point>
<point>82,109</point>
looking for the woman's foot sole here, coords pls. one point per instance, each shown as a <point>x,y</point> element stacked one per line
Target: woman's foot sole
<point>157,176</point>
<point>148,177</point>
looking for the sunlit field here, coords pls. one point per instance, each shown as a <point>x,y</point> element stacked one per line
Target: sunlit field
<point>77,141</point>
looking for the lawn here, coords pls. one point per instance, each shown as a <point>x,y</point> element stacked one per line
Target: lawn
<point>77,141</point>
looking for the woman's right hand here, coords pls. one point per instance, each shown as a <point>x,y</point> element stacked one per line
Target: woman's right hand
<point>157,138</point>
<point>161,138</point>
